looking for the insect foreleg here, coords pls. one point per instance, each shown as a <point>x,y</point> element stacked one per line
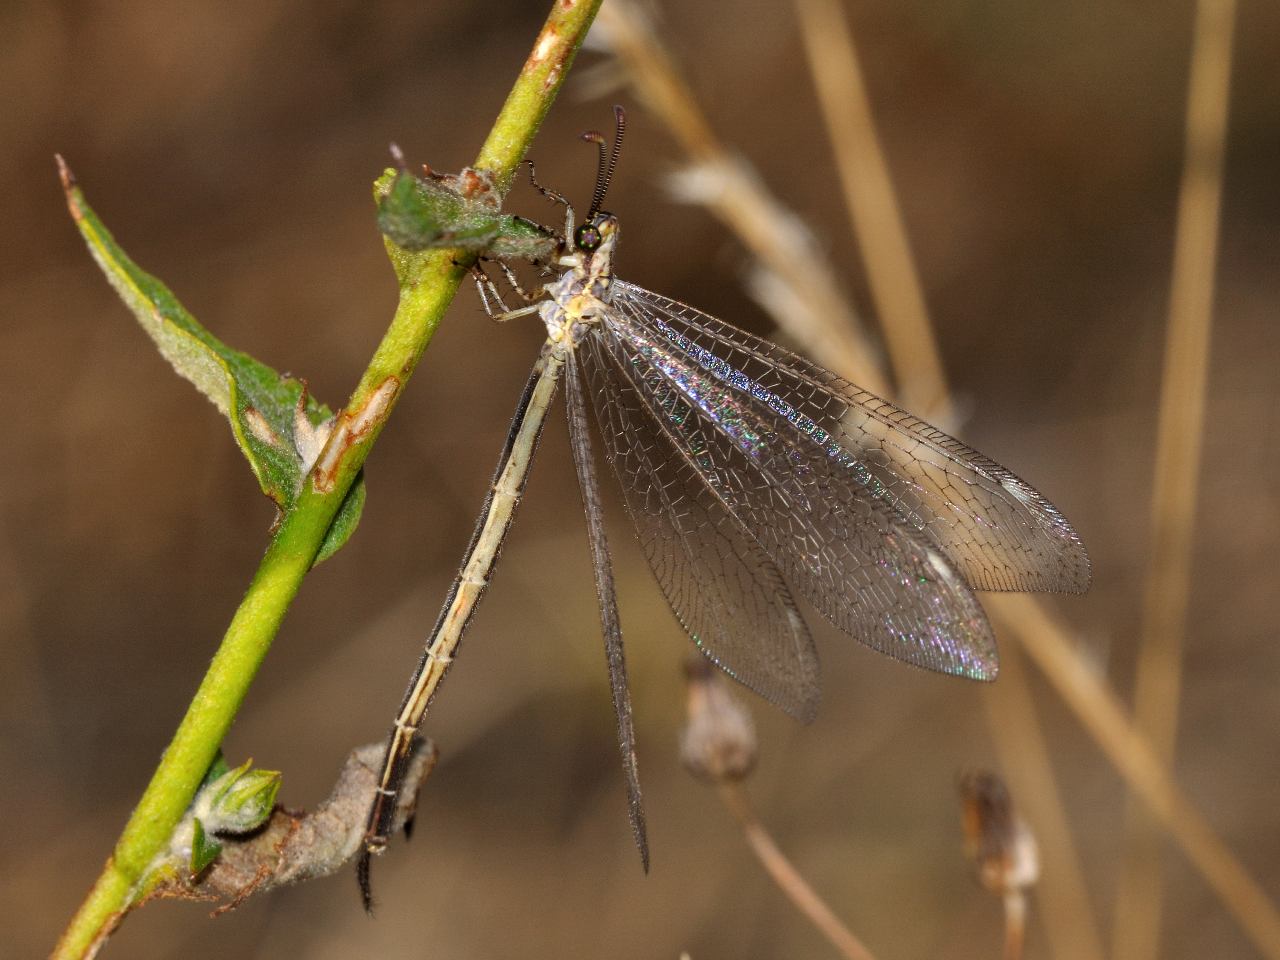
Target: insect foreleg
<point>555,197</point>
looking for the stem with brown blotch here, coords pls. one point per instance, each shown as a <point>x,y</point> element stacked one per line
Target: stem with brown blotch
<point>423,300</point>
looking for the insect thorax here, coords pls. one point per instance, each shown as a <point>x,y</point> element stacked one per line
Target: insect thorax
<point>579,298</point>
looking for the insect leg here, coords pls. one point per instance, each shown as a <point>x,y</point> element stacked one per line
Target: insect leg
<point>488,289</point>
<point>489,295</point>
<point>545,191</point>
<point>521,292</point>
<point>557,198</point>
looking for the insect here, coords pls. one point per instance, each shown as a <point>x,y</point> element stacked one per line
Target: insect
<point>749,472</point>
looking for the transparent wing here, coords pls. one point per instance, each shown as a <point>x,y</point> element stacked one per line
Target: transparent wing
<point>854,556</point>
<point>726,593</point>
<point>611,626</point>
<point>998,531</point>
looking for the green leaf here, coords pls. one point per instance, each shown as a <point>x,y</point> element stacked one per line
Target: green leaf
<point>204,849</point>
<point>455,210</point>
<point>344,524</point>
<point>277,424</point>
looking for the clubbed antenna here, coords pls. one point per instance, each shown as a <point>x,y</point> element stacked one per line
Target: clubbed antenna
<point>608,159</point>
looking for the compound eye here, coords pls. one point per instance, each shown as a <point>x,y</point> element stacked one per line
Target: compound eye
<point>587,237</point>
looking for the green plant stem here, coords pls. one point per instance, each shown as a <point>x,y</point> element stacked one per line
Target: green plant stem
<point>425,294</point>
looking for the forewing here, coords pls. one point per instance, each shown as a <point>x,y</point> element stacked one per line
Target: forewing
<point>723,589</point>
<point>611,626</point>
<point>873,574</point>
<point>998,531</point>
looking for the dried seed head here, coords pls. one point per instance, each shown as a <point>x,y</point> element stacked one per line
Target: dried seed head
<point>997,840</point>
<point>718,743</point>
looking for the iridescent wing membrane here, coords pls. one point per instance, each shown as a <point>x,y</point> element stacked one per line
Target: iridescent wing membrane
<point>726,592</point>
<point>746,468</point>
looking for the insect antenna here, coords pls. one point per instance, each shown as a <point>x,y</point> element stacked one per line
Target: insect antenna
<point>608,158</point>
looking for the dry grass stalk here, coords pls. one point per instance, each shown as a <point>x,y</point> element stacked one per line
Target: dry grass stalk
<point>874,211</point>
<point>1100,711</point>
<point>718,745</point>
<point>898,291</point>
<point>1158,684</point>
<point>825,326</point>
<point>1064,904</point>
<point>1050,645</point>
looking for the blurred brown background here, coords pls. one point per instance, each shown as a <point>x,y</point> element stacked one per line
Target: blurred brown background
<point>230,148</point>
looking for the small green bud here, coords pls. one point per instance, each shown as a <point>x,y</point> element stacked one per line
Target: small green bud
<point>239,801</point>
